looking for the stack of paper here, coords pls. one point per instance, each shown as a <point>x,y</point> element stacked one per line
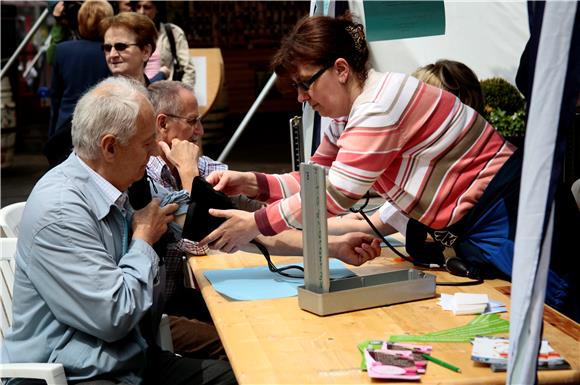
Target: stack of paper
<point>465,303</point>
<point>494,351</point>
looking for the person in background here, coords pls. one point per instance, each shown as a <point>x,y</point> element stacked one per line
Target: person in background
<point>88,283</point>
<point>454,77</point>
<point>78,65</point>
<point>121,6</point>
<point>65,26</point>
<point>129,41</point>
<point>179,127</point>
<point>433,157</point>
<point>163,63</point>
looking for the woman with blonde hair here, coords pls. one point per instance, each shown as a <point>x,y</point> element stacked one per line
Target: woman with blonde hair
<point>455,77</point>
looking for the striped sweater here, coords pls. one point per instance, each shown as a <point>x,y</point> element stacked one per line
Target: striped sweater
<point>415,144</point>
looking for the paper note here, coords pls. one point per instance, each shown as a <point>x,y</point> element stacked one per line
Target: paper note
<point>467,303</point>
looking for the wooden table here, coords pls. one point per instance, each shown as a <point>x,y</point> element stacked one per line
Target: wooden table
<point>275,342</point>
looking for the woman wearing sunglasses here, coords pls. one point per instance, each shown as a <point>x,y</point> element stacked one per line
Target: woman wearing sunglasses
<point>128,44</point>
<point>433,157</point>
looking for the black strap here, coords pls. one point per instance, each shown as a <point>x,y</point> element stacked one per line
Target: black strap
<point>169,33</point>
<point>272,267</point>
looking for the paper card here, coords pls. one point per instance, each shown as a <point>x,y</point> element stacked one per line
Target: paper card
<point>494,350</point>
<point>381,364</point>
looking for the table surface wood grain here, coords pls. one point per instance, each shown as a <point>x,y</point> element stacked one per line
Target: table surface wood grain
<point>275,342</point>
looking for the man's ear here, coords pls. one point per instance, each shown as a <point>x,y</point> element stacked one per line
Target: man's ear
<point>109,147</point>
<point>161,126</point>
<point>161,122</point>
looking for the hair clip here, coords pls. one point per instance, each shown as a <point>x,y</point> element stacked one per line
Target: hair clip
<point>358,36</point>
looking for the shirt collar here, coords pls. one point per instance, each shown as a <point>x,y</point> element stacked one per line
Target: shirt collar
<point>110,194</point>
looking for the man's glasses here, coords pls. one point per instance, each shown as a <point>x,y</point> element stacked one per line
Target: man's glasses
<point>191,121</point>
<point>306,84</point>
<point>118,46</point>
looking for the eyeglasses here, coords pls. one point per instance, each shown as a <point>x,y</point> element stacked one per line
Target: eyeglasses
<point>119,47</point>
<point>306,84</point>
<point>191,121</point>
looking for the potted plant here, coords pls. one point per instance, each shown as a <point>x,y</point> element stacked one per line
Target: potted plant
<point>504,108</point>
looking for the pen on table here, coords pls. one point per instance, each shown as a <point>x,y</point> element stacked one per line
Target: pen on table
<point>442,363</point>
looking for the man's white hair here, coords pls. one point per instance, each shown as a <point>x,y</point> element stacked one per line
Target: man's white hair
<point>110,107</point>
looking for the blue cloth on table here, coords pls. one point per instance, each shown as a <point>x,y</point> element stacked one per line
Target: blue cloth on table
<point>254,283</point>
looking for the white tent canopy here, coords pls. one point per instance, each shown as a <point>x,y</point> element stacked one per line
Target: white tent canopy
<point>489,37</point>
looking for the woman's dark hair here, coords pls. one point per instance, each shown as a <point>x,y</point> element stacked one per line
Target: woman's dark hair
<point>320,40</point>
<point>160,6</point>
<point>455,77</point>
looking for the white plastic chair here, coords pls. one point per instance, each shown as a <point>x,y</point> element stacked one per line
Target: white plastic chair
<point>10,218</point>
<point>53,374</point>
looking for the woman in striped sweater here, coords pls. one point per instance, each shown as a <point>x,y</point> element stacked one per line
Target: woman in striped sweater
<point>434,158</point>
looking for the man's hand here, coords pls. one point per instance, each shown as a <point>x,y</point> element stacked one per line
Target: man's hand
<point>234,182</point>
<point>184,155</point>
<point>354,248</point>
<point>239,228</point>
<point>150,223</point>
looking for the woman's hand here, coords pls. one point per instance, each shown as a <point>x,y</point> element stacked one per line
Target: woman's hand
<point>239,229</point>
<point>234,182</point>
<point>354,248</point>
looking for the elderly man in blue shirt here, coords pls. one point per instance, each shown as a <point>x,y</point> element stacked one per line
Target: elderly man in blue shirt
<point>87,280</point>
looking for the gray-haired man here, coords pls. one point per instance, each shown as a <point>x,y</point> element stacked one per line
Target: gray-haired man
<point>87,276</point>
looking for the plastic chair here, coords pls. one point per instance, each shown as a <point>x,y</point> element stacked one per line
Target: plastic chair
<point>10,218</point>
<point>53,374</point>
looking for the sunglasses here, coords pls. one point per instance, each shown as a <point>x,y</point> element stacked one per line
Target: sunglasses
<point>119,47</point>
<point>191,121</point>
<point>306,84</point>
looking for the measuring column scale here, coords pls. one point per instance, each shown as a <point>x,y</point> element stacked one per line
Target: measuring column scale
<point>323,296</point>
